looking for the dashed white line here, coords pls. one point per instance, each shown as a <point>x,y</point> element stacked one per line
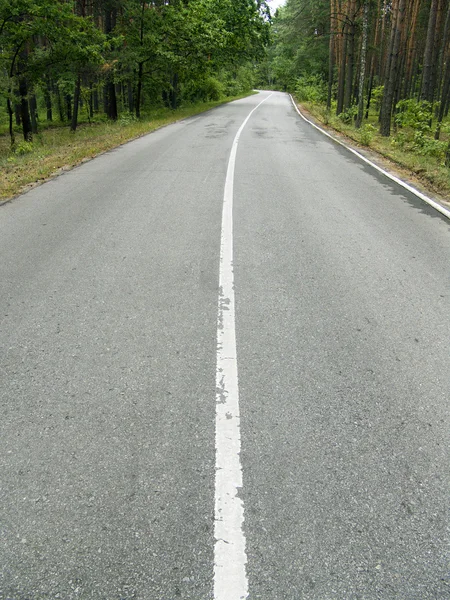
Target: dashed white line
<point>230,558</point>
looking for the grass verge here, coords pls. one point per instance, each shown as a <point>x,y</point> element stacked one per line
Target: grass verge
<point>427,171</point>
<point>56,149</point>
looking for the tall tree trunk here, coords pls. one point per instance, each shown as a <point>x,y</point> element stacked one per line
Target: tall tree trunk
<point>341,79</point>
<point>68,99</point>
<point>33,114</point>
<point>139,90</point>
<point>391,76</point>
<point>369,94</point>
<point>174,92</point>
<point>331,57</point>
<point>350,56</point>
<point>445,94</point>
<point>48,99</point>
<point>427,91</point>
<point>110,88</point>
<point>25,110</point>
<point>130,96</point>
<point>362,71</point>
<point>76,103</point>
<point>442,55</point>
<point>95,100</point>
<point>17,113</point>
<point>111,101</point>
<point>11,121</point>
<point>60,105</point>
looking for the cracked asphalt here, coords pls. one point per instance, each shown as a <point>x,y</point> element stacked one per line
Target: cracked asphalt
<point>108,324</point>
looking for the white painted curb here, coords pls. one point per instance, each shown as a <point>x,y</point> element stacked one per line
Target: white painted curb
<point>444,211</point>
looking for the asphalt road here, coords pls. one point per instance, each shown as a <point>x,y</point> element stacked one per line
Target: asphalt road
<point>109,285</point>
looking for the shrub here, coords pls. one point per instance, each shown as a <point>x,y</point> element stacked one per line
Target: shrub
<point>377,96</point>
<point>366,133</point>
<point>311,88</point>
<point>213,89</point>
<point>23,148</point>
<point>349,115</point>
<point>414,114</point>
<point>127,118</point>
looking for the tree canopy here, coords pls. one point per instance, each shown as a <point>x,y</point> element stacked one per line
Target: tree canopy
<point>351,53</point>
<point>119,55</point>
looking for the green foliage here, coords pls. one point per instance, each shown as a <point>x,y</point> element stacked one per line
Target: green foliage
<point>213,89</point>
<point>311,88</point>
<point>414,114</point>
<point>431,147</point>
<point>129,52</point>
<point>23,148</point>
<point>348,116</point>
<point>367,132</point>
<point>127,118</point>
<point>300,42</point>
<point>414,118</point>
<point>377,97</point>
<point>240,82</point>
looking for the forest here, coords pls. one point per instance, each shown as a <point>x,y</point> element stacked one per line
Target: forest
<point>378,70</point>
<point>381,67</point>
<point>60,59</point>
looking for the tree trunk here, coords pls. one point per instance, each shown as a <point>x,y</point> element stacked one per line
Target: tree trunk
<point>427,91</point>
<point>391,76</point>
<point>25,111</point>
<point>350,59</point>
<point>139,90</point>
<point>76,102</point>
<point>174,92</point>
<point>130,100</point>
<point>95,101</point>
<point>33,114</point>
<point>111,101</point>
<point>331,57</point>
<point>11,121</point>
<point>48,101</point>
<point>442,54</point>
<point>68,99</point>
<point>443,104</point>
<point>110,88</point>
<point>369,94</point>
<point>17,112</point>
<point>341,79</point>
<point>362,73</point>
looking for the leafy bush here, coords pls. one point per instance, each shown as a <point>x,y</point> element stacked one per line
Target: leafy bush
<point>349,115</point>
<point>432,147</point>
<point>213,89</point>
<point>242,82</point>
<point>311,88</point>
<point>366,133</point>
<point>127,118</point>
<point>23,148</point>
<point>202,90</point>
<point>415,120</point>
<point>414,114</point>
<point>377,96</point>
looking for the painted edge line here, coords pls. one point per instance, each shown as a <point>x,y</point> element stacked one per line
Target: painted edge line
<point>444,211</point>
<point>230,558</point>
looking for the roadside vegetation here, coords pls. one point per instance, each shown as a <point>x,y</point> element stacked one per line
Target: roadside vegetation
<point>376,70</point>
<point>78,77</point>
<point>55,149</point>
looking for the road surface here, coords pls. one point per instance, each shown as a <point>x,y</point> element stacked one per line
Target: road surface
<point>111,431</point>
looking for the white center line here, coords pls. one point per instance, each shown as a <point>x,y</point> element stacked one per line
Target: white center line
<point>230,559</point>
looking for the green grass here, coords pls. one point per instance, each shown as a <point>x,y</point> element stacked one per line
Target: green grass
<point>56,148</point>
<point>428,170</point>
